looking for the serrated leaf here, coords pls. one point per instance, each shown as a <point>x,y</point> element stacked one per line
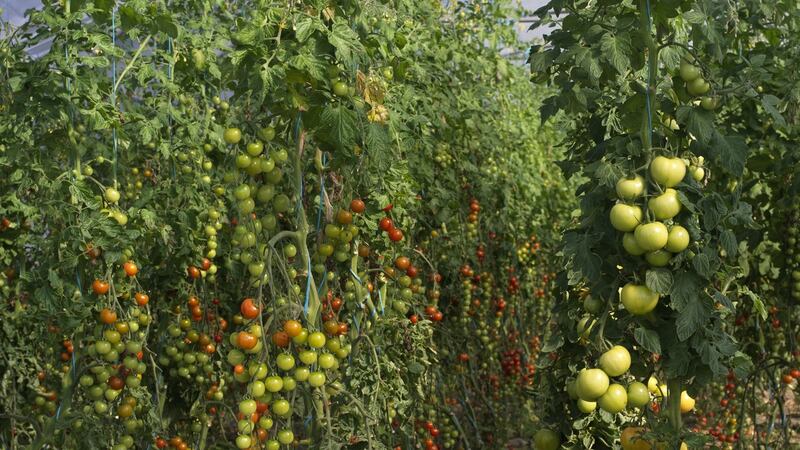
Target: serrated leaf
<point>306,26</point>
<point>727,240</point>
<point>770,104</point>
<point>698,121</point>
<point>616,50</point>
<point>346,42</point>
<point>691,318</point>
<point>731,153</point>
<point>685,288</point>
<point>659,280</point>
<point>648,339</point>
<point>338,124</point>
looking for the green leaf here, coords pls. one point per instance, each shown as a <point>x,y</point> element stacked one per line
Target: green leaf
<point>727,240</point>
<point>731,153</point>
<point>346,42</point>
<point>617,51</point>
<point>758,304</point>
<point>698,121</point>
<point>685,289</point>
<point>338,124</point>
<point>770,104</point>
<point>648,339</point>
<point>691,318</point>
<point>306,26</point>
<point>659,280</point>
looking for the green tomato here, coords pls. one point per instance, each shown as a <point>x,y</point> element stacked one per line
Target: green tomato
<point>585,406</point>
<point>308,357</point>
<point>244,441</point>
<point>709,103</point>
<point>316,340</point>
<point>638,299</point>
<point>326,360</point>
<point>638,395</point>
<point>698,86</point>
<point>257,388</point>
<point>614,400</point>
<point>272,444</point>
<point>615,361</point>
<point>593,305</point>
<point>285,436</point>
<point>631,246</point>
<point>255,148</point>
<point>281,203</point>
<point>274,383</point>
<point>591,384</point>
<point>316,379</point>
<point>243,161</point>
<point>301,373</point>
<point>625,217</point>
<point>340,88</point>
<point>111,195</point>
<point>698,173</point>
<point>267,133</point>
<point>289,251</point>
<point>630,188</point>
<point>281,407</point>
<point>572,390</point>
<point>677,240</point>
<point>658,258</point>
<point>232,136</point>
<point>584,327</point>
<point>265,193</point>
<point>665,206</point>
<point>242,192</point>
<point>545,439</point>
<point>651,236</point>
<point>247,407</point>
<point>667,172</point>
<point>689,72</point>
<point>285,361</point>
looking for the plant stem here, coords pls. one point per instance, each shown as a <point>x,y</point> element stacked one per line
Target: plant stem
<point>674,389</point>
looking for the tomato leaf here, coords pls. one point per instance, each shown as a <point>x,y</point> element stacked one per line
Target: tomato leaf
<point>731,153</point>
<point>691,318</point>
<point>616,50</point>
<point>648,339</point>
<point>659,280</point>
<point>338,125</point>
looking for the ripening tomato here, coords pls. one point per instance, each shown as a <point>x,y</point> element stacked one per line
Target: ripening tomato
<point>344,217</point>
<point>100,287</point>
<point>292,328</point>
<point>193,272</point>
<point>395,235</point>
<point>246,340</point>
<point>141,298</point>
<point>280,339</point>
<point>357,206</point>
<point>249,309</point>
<point>108,316</point>
<point>130,268</point>
<point>402,262</point>
<point>386,224</point>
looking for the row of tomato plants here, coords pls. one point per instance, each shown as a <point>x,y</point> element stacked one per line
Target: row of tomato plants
<point>271,224</point>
